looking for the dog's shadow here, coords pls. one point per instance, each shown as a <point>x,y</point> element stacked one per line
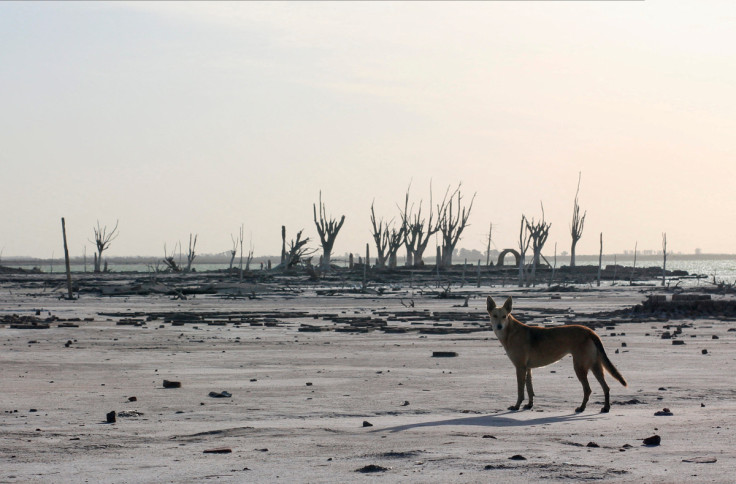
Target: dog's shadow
<point>496,420</point>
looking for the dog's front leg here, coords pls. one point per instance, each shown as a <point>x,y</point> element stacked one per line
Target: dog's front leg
<point>520,380</point>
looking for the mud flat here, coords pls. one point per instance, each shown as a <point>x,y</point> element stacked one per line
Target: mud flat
<point>301,387</point>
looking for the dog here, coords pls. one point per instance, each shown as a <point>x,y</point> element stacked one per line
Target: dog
<point>531,347</point>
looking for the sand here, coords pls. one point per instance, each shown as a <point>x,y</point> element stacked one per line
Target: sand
<point>299,400</point>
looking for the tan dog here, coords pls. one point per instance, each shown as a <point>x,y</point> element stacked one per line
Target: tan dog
<point>531,347</point>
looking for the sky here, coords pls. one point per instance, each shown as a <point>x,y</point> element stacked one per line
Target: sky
<point>176,118</point>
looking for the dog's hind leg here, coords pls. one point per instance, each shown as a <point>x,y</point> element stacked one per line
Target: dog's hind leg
<point>529,389</point>
<point>520,379</point>
<point>582,374</point>
<point>598,372</point>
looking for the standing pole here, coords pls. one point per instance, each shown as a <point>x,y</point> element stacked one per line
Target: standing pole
<point>66,257</point>
<point>600,261</point>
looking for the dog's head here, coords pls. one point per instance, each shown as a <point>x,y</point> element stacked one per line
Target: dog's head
<point>499,315</point>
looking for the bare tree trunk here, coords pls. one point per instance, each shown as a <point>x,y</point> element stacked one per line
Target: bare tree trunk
<point>66,259</point>
<point>600,261</point>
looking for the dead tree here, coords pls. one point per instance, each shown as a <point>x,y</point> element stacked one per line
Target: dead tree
<point>417,230</point>
<point>169,260</point>
<point>380,233</point>
<point>103,238</point>
<point>297,252</point>
<point>576,227</point>
<point>452,220</point>
<point>191,255</point>
<point>327,230</point>
<point>524,240</point>
<point>538,232</point>
<point>488,249</point>
<point>234,251</point>
<point>395,240</point>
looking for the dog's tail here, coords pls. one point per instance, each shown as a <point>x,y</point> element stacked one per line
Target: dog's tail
<point>607,363</point>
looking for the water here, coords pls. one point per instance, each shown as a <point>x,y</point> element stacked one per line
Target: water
<point>722,268</point>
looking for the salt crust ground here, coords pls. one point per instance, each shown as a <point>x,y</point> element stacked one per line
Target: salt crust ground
<point>454,429</point>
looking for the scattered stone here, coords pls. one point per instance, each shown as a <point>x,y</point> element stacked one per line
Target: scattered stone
<point>371,468</point>
<point>253,379</point>
<point>68,344</point>
<point>662,389</point>
<point>367,424</point>
<point>444,354</point>
<point>488,436</point>
<point>701,460</point>
<point>705,352</point>
<point>172,384</point>
<point>218,450</point>
<point>653,440</point>
<point>132,399</point>
<point>111,417</point>
<point>714,337</point>
<point>616,351</point>
<point>222,394</point>
<point>130,414</point>
<point>702,405</point>
<point>678,342</point>
<point>666,335</point>
<point>592,444</point>
<point>405,404</point>
<point>623,345</point>
<point>517,457</point>
<point>309,383</point>
<point>262,450</point>
<point>33,410</point>
<point>665,412</point>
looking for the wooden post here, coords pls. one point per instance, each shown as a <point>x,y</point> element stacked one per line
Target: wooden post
<point>633,268</point>
<point>664,254</point>
<point>600,261</point>
<point>365,266</point>
<point>465,264</point>
<point>478,273</point>
<point>66,258</point>
<point>351,261</point>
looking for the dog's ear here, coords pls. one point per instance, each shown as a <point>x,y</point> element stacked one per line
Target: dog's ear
<point>507,305</point>
<point>490,304</point>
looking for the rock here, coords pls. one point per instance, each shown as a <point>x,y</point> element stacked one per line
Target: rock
<point>217,450</point>
<point>666,335</point>
<point>653,440</point>
<point>132,399</point>
<point>701,460</point>
<point>517,457</point>
<point>309,383</point>
<point>130,414</point>
<point>665,412</point>
<point>487,436</point>
<point>367,424</point>
<point>222,394</point>
<point>592,444</point>
<point>714,337</point>
<point>444,354</point>
<point>371,468</point>
<point>705,352</point>
<point>405,404</point>
<point>172,384</point>
<point>678,342</point>
<point>111,417</point>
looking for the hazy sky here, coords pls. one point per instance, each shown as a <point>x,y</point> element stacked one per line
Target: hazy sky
<point>196,117</point>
